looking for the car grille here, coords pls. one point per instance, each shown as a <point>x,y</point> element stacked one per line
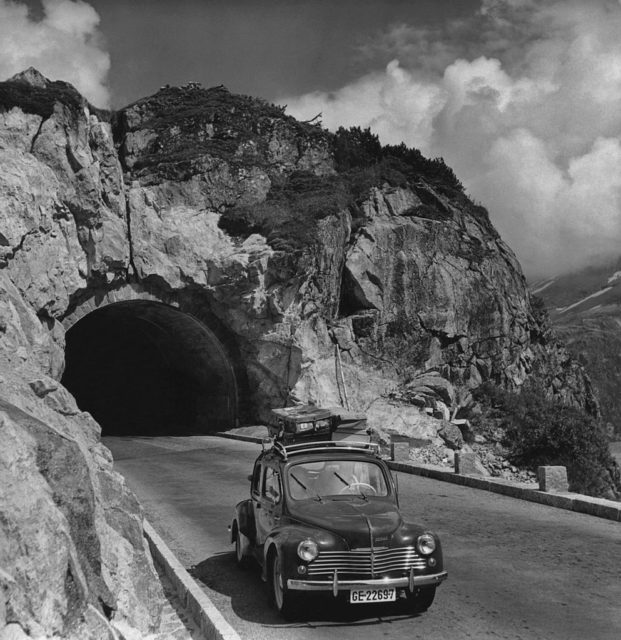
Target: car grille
<point>364,563</point>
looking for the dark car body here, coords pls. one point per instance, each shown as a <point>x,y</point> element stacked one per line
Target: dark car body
<point>324,516</point>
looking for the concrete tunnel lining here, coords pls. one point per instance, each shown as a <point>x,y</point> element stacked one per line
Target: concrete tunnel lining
<point>145,368</point>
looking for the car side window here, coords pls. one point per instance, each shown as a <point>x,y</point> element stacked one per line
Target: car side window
<point>256,479</point>
<point>271,485</point>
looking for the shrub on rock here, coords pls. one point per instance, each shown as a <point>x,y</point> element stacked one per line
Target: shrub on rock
<point>542,431</point>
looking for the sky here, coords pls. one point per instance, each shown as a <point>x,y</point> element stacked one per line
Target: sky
<point>520,97</point>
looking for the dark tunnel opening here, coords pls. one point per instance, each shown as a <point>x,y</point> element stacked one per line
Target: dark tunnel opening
<point>144,368</point>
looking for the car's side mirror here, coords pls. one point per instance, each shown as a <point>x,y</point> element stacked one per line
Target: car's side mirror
<point>250,477</point>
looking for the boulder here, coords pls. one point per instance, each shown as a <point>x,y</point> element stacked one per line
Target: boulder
<point>393,417</point>
<point>451,434</point>
<point>441,387</point>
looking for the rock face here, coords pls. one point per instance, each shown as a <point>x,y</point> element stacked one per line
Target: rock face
<point>389,293</point>
<point>72,555</point>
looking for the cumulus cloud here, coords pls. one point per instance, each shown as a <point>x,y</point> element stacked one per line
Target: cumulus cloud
<point>63,45</point>
<point>395,104</point>
<point>522,101</point>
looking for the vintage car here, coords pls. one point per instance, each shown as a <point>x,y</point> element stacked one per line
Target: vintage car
<point>324,516</point>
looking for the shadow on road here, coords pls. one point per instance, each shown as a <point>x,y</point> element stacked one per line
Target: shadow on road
<point>249,599</point>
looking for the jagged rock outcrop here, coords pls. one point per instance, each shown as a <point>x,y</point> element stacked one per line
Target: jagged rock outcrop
<point>73,559</point>
<point>72,555</point>
<point>365,286</point>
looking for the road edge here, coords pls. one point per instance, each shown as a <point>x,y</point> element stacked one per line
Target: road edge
<point>598,507</point>
<point>206,615</point>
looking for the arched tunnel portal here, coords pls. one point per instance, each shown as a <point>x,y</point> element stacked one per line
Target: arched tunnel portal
<point>145,368</point>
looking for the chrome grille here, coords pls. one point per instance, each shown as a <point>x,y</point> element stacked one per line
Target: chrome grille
<point>360,562</point>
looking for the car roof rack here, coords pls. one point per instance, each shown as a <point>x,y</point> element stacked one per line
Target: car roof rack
<point>286,451</point>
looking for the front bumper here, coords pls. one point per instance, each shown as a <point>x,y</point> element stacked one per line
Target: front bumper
<point>335,585</point>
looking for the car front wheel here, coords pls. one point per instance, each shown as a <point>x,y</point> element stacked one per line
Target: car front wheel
<point>421,600</point>
<point>285,601</point>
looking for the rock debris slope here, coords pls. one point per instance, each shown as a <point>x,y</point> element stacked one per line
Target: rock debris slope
<point>330,275</point>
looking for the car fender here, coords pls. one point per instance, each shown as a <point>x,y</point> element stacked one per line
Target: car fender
<point>409,532</point>
<point>244,518</point>
<point>285,539</point>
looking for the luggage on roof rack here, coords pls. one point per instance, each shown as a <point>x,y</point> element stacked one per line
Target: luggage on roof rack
<point>305,422</point>
<point>351,426</point>
<point>311,423</point>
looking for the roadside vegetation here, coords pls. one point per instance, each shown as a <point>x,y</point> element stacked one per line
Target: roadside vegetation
<point>542,431</point>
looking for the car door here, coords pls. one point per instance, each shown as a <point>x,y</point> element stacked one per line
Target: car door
<point>268,502</point>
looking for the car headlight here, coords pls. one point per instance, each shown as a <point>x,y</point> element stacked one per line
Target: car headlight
<point>308,550</point>
<point>426,544</point>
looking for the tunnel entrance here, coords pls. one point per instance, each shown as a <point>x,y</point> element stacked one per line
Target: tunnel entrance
<point>145,368</point>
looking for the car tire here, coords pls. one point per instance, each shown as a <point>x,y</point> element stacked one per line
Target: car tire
<point>241,543</point>
<point>285,602</point>
<point>421,599</point>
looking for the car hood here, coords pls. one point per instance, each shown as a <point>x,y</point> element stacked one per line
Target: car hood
<point>354,520</point>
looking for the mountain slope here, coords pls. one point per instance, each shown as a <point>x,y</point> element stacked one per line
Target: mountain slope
<point>585,309</point>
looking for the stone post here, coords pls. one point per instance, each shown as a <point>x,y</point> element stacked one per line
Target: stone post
<point>399,449</point>
<point>553,479</point>
<point>466,463</point>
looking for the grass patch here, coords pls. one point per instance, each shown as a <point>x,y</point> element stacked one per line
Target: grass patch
<point>40,101</point>
<point>191,122</point>
<point>289,215</point>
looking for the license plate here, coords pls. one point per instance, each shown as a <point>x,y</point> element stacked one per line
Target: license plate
<point>359,596</point>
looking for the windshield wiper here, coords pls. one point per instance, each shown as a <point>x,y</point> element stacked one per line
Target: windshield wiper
<point>316,497</point>
<point>300,482</point>
<point>347,484</point>
<point>338,475</point>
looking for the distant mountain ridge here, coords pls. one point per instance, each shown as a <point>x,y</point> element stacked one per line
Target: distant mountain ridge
<point>585,310</point>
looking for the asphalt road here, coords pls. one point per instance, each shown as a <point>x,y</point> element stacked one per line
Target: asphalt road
<point>517,570</point>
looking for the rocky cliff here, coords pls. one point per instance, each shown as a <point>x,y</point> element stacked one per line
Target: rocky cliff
<point>267,262</point>
<point>338,280</point>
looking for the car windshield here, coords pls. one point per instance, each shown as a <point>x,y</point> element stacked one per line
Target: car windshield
<point>336,477</point>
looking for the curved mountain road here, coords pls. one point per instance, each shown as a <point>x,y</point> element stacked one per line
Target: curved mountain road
<point>517,570</point>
